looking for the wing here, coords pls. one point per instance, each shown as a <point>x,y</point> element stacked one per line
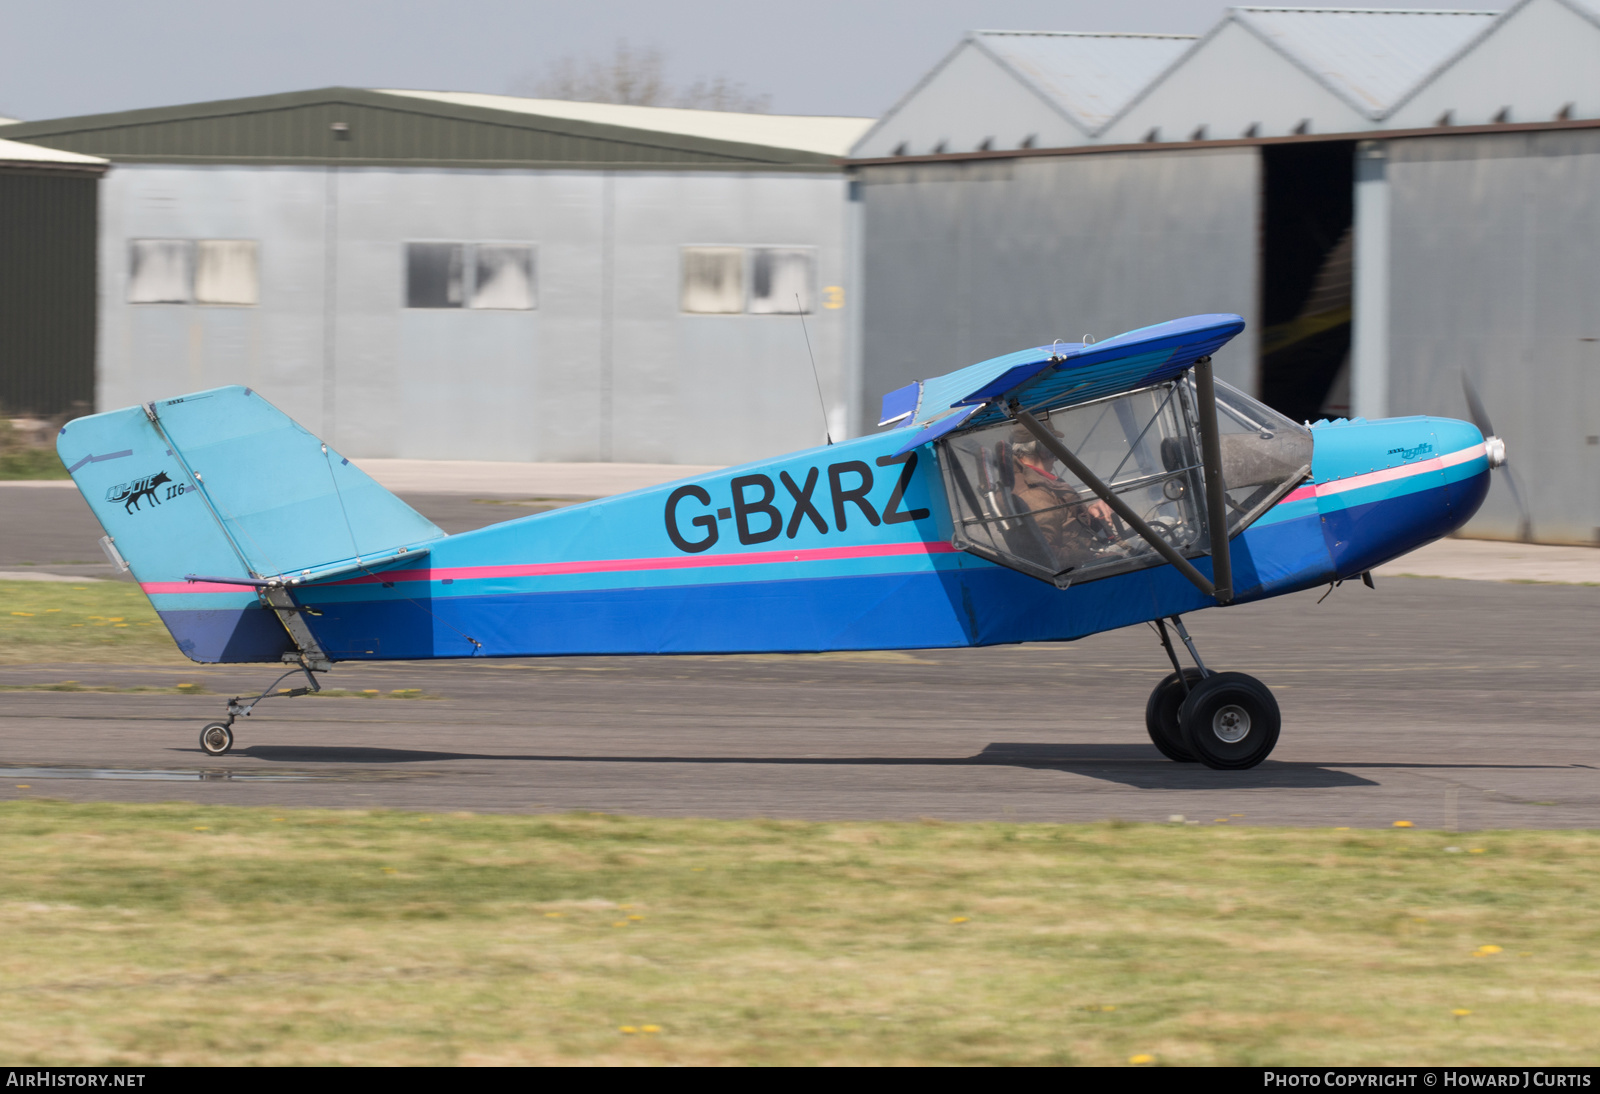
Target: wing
<point>1056,376</point>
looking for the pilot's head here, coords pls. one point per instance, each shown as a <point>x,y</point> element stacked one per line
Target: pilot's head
<point>1027,446</point>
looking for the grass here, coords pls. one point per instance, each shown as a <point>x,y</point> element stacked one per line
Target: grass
<point>99,622</point>
<point>19,460</point>
<point>182,934</point>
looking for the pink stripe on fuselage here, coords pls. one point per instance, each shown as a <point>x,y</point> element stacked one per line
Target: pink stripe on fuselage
<point>597,566</point>
<point>761,558</point>
<point>151,587</point>
<point>1388,474</point>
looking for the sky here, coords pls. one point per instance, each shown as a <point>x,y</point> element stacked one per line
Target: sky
<point>855,57</point>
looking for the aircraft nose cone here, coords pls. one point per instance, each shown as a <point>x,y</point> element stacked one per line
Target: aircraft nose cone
<point>1495,449</point>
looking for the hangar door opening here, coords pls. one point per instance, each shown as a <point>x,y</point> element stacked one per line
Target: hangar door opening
<point>1307,214</point>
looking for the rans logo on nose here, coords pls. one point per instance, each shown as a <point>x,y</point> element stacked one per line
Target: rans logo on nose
<point>132,493</point>
<point>1411,453</point>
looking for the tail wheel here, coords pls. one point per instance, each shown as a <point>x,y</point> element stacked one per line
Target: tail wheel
<point>1161,715</point>
<point>216,738</point>
<point>1230,721</point>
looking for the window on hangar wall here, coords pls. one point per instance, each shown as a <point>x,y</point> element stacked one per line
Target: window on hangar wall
<point>780,280</point>
<point>481,276</point>
<point>194,271</point>
<point>713,280</point>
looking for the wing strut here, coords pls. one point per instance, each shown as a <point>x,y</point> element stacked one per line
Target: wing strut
<point>1205,390</point>
<point>1104,493</point>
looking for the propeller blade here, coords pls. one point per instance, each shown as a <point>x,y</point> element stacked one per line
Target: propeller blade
<point>1480,417</point>
<point>1525,528</point>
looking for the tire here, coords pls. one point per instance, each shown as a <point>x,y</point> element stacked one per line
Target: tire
<point>216,738</point>
<point>1161,716</point>
<point>1230,721</point>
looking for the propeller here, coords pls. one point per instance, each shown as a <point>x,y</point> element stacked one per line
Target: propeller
<point>1495,449</point>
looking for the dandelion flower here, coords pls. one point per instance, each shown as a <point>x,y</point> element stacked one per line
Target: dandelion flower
<point>1488,950</point>
<point>960,919</point>
<point>1402,824</point>
<point>1141,1059</point>
<point>1459,1013</point>
<point>627,1029</point>
<point>650,1029</point>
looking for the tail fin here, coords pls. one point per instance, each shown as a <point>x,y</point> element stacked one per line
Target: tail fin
<point>223,485</point>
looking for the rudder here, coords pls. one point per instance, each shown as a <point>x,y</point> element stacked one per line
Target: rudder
<point>223,485</point>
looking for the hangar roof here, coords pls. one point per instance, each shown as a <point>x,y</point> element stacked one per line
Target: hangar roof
<point>359,127</point>
<point>1088,76</point>
<point>1023,88</point>
<point>1262,73</point>
<point>18,154</point>
<point>1371,58</point>
<point>830,136</point>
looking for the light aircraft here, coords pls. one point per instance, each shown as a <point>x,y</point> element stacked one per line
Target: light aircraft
<point>1041,496</point>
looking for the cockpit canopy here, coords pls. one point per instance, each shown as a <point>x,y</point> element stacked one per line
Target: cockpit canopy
<point>1014,503</point>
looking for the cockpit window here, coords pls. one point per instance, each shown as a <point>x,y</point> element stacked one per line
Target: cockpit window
<point>1261,450</point>
<point>1015,503</point>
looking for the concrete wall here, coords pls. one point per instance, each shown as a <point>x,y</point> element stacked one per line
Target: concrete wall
<point>606,368</point>
<point>1495,272</point>
<point>964,262</point>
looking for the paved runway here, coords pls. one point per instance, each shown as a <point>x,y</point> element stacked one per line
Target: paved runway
<point>1453,704</point>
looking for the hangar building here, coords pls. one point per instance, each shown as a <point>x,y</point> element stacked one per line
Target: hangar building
<point>1392,199</point>
<point>459,276</point>
<point>47,279</point>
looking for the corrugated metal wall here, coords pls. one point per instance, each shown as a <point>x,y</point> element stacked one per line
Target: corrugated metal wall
<point>47,292</point>
<point>1495,251</point>
<point>966,261</point>
<point>606,367</point>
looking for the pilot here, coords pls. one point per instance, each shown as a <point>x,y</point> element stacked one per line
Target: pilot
<point>1070,530</point>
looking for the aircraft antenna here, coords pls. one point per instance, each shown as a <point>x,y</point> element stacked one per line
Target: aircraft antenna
<point>820,401</point>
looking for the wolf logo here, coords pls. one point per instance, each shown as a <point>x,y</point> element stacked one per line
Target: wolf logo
<point>132,492</point>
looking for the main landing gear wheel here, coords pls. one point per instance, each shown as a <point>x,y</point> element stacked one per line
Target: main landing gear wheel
<point>1230,721</point>
<point>1161,715</point>
<point>216,738</point>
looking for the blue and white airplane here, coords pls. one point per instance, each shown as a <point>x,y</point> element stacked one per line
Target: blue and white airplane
<point>1042,496</point>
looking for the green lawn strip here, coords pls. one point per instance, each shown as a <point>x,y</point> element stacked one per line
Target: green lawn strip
<point>179,934</point>
<point>30,463</point>
<point>95,622</point>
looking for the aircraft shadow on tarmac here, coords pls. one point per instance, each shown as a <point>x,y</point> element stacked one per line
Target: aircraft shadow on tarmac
<point>1138,766</point>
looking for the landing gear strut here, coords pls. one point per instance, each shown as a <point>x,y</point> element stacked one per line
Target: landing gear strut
<point>217,737</point>
<point>1225,720</point>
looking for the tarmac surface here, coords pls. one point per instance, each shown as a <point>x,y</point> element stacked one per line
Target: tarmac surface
<point>1460,704</point>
